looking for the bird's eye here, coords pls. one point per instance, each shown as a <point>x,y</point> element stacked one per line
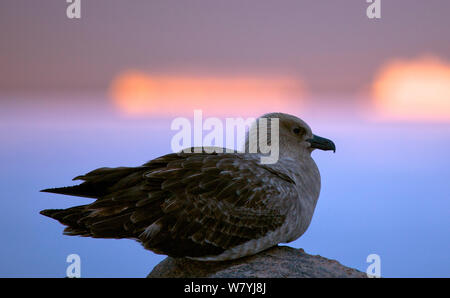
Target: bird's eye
<point>298,130</point>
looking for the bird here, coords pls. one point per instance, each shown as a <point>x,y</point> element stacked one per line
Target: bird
<point>205,206</point>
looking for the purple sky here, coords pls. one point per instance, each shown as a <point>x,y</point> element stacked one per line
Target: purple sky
<point>332,45</point>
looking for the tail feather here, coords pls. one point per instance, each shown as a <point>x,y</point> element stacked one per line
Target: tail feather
<point>116,190</point>
<point>69,217</point>
<point>83,221</point>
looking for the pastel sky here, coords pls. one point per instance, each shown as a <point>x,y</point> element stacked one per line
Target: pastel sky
<point>331,45</point>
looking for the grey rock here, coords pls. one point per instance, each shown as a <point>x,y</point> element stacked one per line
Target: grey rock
<point>278,261</point>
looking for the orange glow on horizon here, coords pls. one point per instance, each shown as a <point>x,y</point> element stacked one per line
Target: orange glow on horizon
<point>413,90</point>
<point>139,94</point>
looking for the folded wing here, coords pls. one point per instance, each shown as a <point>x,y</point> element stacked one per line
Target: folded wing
<point>181,204</point>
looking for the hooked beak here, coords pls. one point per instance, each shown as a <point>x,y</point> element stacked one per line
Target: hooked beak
<point>321,143</point>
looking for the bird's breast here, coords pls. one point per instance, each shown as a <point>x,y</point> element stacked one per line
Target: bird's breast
<point>307,179</point>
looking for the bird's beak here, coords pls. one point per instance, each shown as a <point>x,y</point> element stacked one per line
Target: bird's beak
<point>321,143</point>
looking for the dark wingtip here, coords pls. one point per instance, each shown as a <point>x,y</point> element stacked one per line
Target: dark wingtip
<point>81,190</point>
<point>57,190</point>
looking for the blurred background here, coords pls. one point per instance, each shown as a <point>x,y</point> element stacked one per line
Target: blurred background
<point>102,90</point>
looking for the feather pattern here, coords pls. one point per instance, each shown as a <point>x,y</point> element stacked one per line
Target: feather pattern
<point>181,204</point>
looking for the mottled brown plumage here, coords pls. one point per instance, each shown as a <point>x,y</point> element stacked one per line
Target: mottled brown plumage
<point>207,206</point>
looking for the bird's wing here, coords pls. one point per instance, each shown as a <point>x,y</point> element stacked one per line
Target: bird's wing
<point>185,204</point>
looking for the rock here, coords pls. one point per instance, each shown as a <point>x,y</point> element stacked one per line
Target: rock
<point>278,261</point>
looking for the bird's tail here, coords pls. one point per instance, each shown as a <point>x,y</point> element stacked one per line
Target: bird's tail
<point>70,217</point>
<point>86,222</point>
<point>112,215</point>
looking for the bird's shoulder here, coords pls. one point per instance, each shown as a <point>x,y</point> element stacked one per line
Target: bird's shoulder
<point>207,171</point>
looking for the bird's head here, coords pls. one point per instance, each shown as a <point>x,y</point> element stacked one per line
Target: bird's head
<point>295,136</point>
